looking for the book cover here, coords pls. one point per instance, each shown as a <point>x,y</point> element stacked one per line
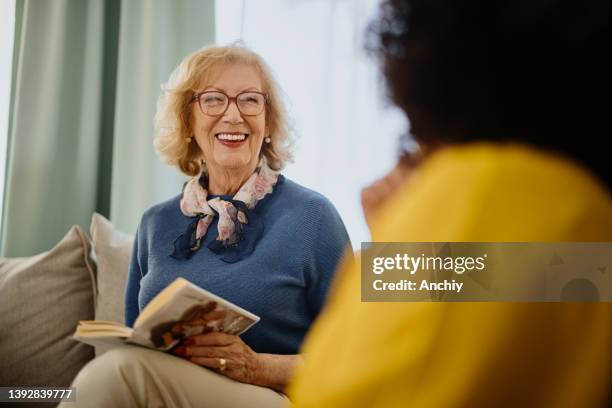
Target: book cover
<point>180,310</point>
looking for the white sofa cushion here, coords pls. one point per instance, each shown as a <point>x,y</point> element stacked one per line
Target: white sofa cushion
<point>113,250</point>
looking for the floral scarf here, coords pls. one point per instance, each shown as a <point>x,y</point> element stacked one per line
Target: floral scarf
<point>235,217</point>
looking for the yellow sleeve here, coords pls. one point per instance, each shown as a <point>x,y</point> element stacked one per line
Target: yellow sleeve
<point>454,355</point>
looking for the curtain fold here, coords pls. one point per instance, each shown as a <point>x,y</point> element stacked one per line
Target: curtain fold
<point>53,137</point>
<point>87,77</point>
<point>155,36</point>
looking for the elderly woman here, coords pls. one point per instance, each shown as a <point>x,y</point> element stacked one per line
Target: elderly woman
<point>239,229</point>
<point>502,98</point>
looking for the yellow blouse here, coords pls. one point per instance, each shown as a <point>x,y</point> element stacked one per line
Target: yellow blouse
<point>469,354</point>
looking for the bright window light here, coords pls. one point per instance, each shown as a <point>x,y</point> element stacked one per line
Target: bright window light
<point>346,131</point>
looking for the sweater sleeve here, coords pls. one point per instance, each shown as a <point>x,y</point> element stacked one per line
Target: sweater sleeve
<point>328,242</point>
<point>137,270</point>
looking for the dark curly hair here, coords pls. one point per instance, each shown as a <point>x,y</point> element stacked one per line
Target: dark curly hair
<point>531,71</point>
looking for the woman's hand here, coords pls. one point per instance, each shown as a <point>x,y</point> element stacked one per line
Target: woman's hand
<point>229,355</point>
<point>224,353</point>
<point>373,196</point>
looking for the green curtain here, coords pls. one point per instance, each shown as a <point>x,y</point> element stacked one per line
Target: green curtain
<point>155,37</point>
<point>87,75</point>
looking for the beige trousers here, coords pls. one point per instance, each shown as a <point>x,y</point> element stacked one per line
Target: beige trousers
<point>132,376</point>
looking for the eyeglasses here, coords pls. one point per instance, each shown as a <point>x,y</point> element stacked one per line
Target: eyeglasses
<point>215,103</point>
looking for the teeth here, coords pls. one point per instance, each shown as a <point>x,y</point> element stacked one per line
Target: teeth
<point>226,136</point>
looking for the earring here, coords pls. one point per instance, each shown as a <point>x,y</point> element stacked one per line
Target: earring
<point>267,139</point>
<point>188,139</point>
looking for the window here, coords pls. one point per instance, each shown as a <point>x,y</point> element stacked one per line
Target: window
<point>346,131</point>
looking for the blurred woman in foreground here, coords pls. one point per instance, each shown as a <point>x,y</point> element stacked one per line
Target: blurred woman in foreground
<point>502,98</point>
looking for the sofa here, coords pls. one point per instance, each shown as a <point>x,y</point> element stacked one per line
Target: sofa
<point>44,296</point>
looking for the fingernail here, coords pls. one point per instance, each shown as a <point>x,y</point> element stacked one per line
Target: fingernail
<point>189,342</point>
<point>181,351</point>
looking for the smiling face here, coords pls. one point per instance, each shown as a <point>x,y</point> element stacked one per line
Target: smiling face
<point>232,141</point>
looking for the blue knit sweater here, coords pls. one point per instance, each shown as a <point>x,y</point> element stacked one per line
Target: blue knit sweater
<point>284,281</point>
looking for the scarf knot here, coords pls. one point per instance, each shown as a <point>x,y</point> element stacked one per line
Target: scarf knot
<point>239,228</point>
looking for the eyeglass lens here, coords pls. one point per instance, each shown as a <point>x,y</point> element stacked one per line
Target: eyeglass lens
<point>215,103</point>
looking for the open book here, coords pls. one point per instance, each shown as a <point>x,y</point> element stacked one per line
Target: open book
<point>180,310</point>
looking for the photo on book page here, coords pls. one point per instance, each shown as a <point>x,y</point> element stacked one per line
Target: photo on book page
<point>199,319</point>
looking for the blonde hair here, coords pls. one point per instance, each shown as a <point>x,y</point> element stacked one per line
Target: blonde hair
<point>174,108</point>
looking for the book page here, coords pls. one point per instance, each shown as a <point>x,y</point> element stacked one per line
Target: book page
<point>101,323</point>
<point>160,300</point>
<point>102,329</point>
<point>186,310</point>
